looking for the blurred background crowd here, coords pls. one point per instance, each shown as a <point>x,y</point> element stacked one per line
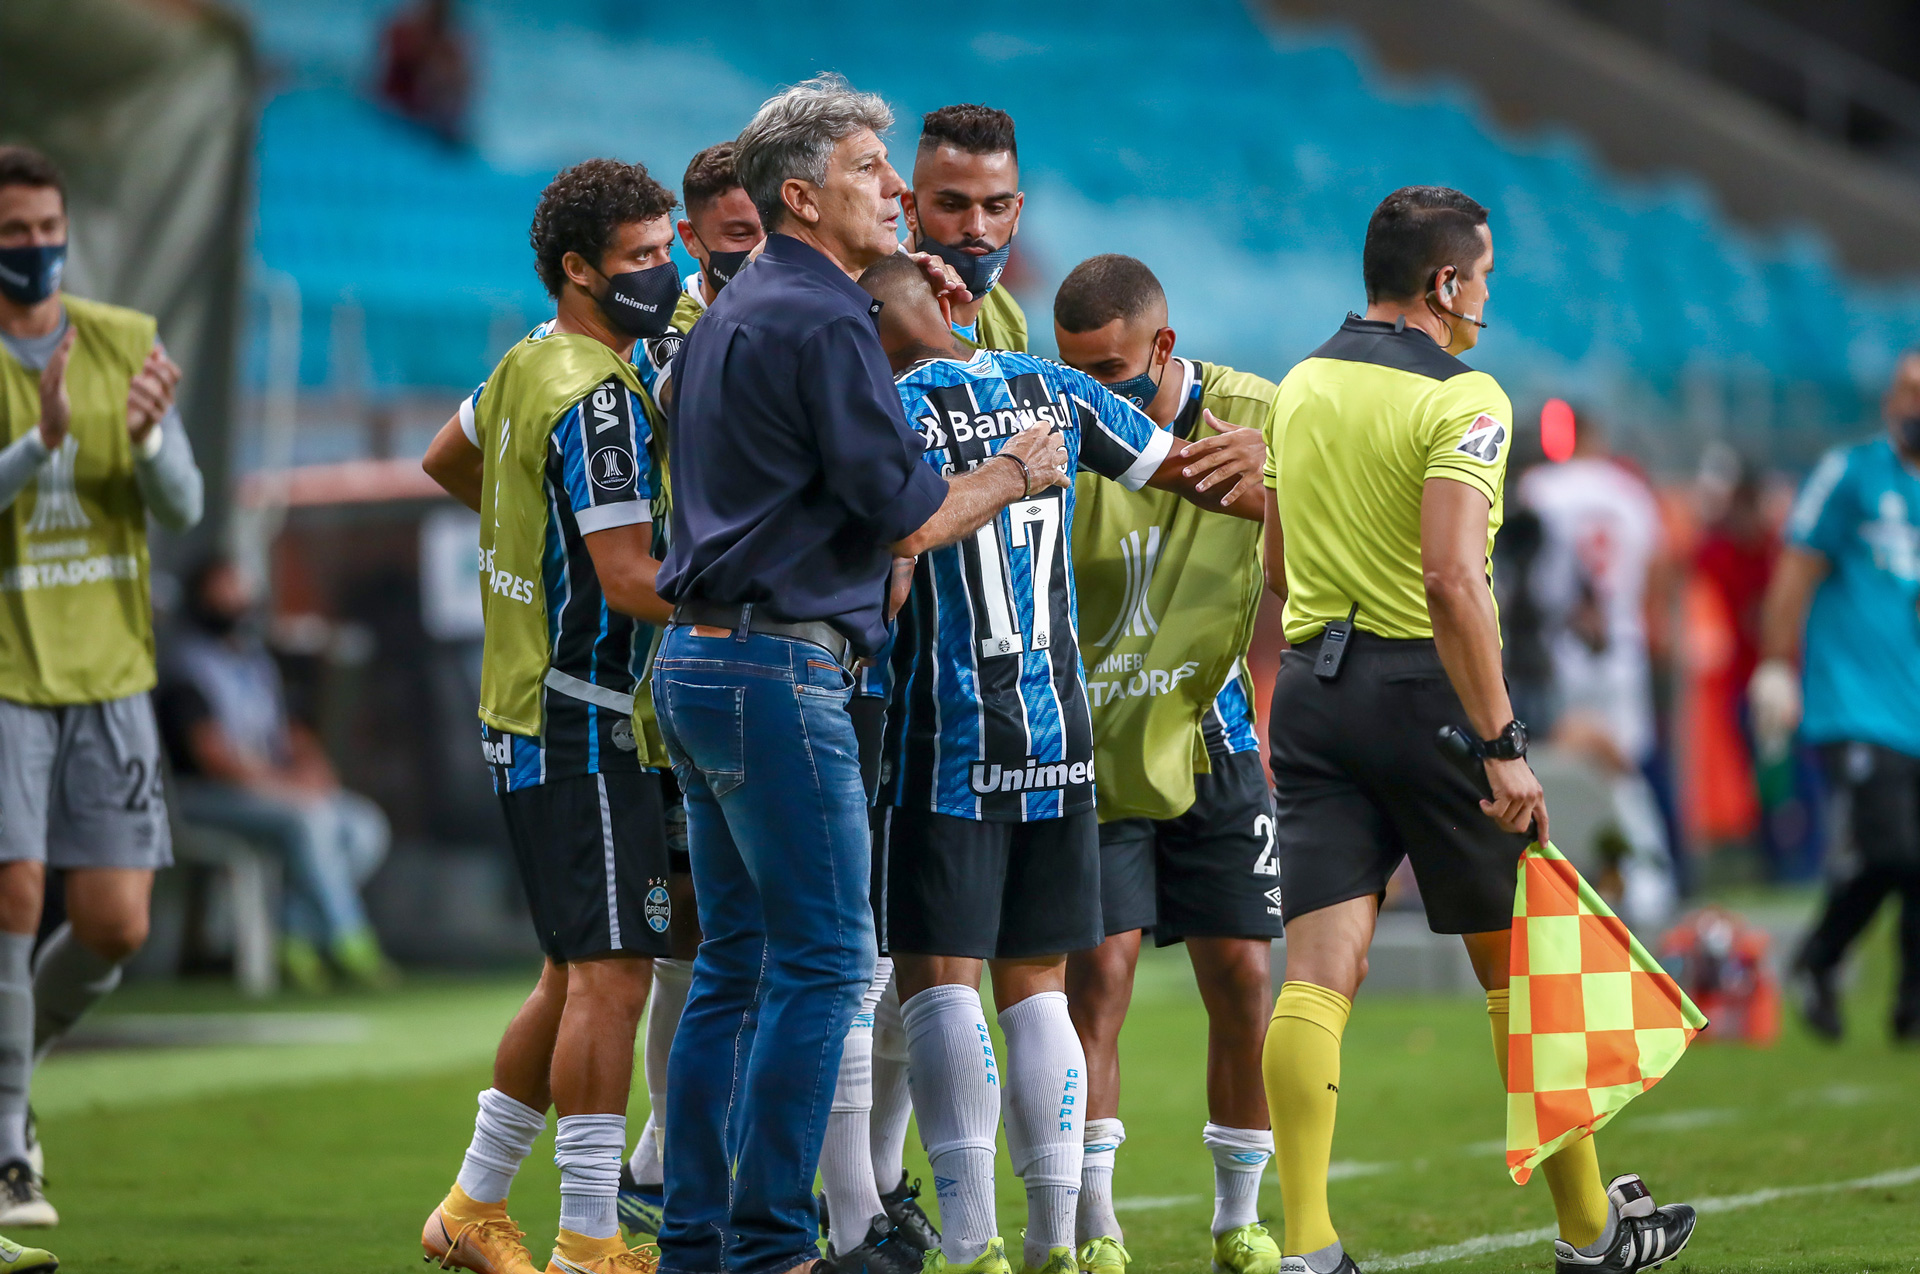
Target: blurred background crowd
<point>1710,264</point>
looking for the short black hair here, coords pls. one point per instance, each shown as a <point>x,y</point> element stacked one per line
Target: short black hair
<point>710,174</point>
<point>25,166</point>
<point>1102,289</point>
<point>891,275</point>
<point>580,210</point>
<point>1414,232</point>
<point>975,129</point>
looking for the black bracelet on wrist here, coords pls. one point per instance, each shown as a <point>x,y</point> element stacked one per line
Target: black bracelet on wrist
<point>1026,474</point>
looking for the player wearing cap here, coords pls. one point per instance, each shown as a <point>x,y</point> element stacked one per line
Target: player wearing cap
<point>1388,459</point>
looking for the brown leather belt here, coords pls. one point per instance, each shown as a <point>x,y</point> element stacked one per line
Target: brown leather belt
<point>733,618</point>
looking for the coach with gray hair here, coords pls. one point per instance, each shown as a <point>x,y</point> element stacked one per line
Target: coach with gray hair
<point>796,482</point>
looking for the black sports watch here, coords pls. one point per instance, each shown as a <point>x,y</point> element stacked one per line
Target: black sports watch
<point>1509,745</point>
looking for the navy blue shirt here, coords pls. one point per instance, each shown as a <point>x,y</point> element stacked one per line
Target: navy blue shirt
<point>793,467</point>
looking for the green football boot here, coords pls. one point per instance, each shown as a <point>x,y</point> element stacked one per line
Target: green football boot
<point>991,1261</point>
<point>1060,1260</point>
<point>1104,1255</point>
<point>26,1260</point>
<point>1246,1249</point>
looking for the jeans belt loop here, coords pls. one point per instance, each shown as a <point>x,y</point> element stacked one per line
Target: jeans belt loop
<point>745,630</point>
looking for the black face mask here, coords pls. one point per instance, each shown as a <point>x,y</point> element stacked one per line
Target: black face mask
<point>978,274</point>
<point>1907,432</point>
<point>723,267</point>
<point>640,302</point>
<point>31,275</point>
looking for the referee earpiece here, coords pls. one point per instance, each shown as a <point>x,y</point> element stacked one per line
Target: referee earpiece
<point>1449,289</point>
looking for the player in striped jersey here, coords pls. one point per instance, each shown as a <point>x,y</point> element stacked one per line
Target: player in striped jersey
<point>553,452</point>
<point>994,852</point>
<point>1169,597</point>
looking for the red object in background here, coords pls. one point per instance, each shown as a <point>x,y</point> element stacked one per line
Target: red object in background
<point>1557,430</point>
<point>1721,962</point>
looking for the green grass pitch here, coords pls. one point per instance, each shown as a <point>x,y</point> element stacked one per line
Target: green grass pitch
<point>327,1154</point>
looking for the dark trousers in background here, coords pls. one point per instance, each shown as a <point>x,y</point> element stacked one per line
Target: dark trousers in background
<point>763,746</point>
<point>1876,852</point>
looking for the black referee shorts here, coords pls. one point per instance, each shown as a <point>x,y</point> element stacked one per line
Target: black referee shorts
<point>1212,872</point>
<point>592,852</point>
<point>1359,785</point>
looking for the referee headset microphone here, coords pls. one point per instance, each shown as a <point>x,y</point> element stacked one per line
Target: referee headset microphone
<point>1440,296</point>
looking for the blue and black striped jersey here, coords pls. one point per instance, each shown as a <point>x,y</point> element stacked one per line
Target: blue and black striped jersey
<point>1228,726</point>
<point>599,475</point>
<point>988,716</point>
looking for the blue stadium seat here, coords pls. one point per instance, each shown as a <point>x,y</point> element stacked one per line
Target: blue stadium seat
<point>1239,159</point>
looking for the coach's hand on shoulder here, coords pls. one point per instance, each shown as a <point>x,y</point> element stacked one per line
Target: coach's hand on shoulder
<point>55,407</point>
<point>1230,459</point>
<point>1044,451</point>
<point>1518,800</point>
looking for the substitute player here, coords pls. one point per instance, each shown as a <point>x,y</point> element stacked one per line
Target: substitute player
<point>965,208</point>
<point>92,445</point>
<point>1388,460</point>
<point>554,452</point>
<point>1168,597</point>
<point>993,853</point>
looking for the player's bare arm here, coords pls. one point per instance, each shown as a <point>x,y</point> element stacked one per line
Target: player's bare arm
<point>1220,473</point>
<point>455,463</point>
<point>623,560</point>
<point>1453,561</point>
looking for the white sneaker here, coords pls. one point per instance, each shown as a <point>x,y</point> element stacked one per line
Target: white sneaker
<point>22,1203</point>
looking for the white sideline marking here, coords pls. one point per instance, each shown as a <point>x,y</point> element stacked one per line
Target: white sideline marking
<point>1344,1169</point>
<point>1486,1243</point>
<point>1157,1201</point>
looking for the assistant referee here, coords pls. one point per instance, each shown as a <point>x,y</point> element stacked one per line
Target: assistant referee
<point>1388,456</point>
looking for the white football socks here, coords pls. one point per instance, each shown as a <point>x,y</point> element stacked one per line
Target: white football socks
<point>892,1103</point>
<point>503,1133</point>
<point>956,1092</point>
<point>1101,1144</point>
<point>1239,1157</point>
<point>846,1155</point>
<point>1043,1102</point>
<point>671,979</point>
<point>588,1150</point>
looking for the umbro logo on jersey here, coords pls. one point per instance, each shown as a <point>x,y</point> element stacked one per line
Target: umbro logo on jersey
<point>984,777</point>
<point>1483,439</point>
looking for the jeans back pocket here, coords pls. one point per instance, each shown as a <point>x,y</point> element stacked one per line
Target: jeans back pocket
<point>707,722</point>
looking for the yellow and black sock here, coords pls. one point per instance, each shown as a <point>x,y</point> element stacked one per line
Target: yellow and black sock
<point>1573,1174</point>
<point>1301,1064</point>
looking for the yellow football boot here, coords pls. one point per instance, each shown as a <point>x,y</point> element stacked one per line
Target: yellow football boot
<point>578,1254</point>
<point>465,1235</point>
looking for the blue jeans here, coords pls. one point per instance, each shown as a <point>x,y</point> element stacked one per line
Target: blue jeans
<point>764,749</point>
<point>331,846</point>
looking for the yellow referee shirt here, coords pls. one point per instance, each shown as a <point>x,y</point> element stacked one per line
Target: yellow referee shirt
<point>1358,428</point>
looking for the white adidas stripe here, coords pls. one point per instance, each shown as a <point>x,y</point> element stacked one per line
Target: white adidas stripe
<point>1486,1243</point>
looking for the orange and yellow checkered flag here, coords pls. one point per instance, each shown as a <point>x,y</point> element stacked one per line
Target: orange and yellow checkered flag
<point>1594,1020</point>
